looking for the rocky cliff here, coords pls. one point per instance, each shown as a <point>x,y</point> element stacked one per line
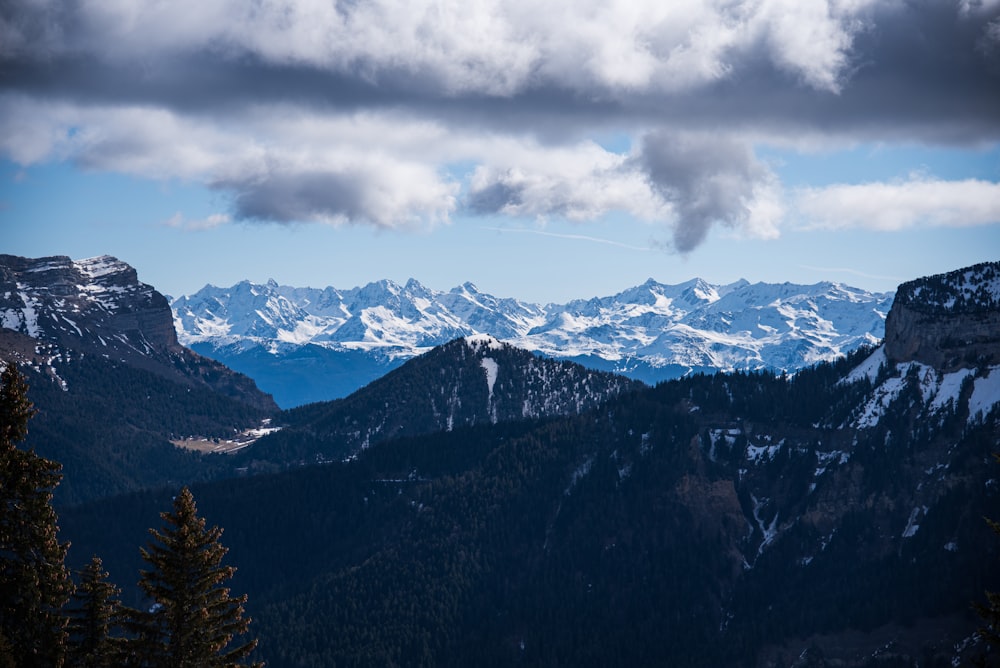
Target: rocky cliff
<point>948,321</point>
<point>54,308</point>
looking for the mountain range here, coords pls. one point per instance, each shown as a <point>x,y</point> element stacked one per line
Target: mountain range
<point>306,344</point>
<point>484,504</point>
<point>831,517</point>
<point>118,393</point>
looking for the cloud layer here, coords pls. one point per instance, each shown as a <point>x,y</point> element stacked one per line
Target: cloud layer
<point>397,113</point>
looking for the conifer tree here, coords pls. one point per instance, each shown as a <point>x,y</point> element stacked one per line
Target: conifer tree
<point>92,641</point>
<point>193,618</point>
<point>34,581</point>
<point>989,613</point>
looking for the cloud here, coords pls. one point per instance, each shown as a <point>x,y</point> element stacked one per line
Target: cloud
<point>386,195</point>
<point>179,221</point>
<point>896,206</point>
<point>272,170</point>
<point>578,182</point>
<point>495,48</point>
<point>711,180</point>
<point>358,112</point>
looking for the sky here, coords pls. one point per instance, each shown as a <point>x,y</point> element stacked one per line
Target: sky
<point>544,152</point>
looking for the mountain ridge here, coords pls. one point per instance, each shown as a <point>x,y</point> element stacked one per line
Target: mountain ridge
<point>649,332</point>
<point>470,381</point>
<point>54,306</point>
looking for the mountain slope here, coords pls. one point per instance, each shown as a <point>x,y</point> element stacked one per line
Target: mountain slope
<point>112,384</point>
<point>833,518</point>
<point>98,306</point>
<point>469,381</point>
<point>651,332</point>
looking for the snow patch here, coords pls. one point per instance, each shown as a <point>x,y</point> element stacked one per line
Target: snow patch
<point>869,368</point>
<point>913,524</point>
<point>581,472</point>
<point>482,341</point>
<point>29,315</point>
<point>882,398</point>
<point>756,452</point>
<point>985,394</point>
<point>725,436</point>
<point>770,531</point>
<point>96,267</point>
<point>949,388</point>
<point>490,366</point>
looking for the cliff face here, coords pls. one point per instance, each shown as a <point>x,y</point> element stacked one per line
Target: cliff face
<point>97,301</point>
<point>948,321</point>
<point>53,307</point>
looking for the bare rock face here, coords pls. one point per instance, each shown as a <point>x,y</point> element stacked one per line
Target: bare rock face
<point>948,321</point>
<point>98,306</point>
<point>99,300</point>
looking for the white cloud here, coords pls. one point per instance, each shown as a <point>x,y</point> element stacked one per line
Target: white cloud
<point>363,168</point>
<point>896,206</point>
<point>364,112</point>
<point>578,182</point>
<point>488,46</point>
<point>181,222</point>
<point>810,39</point>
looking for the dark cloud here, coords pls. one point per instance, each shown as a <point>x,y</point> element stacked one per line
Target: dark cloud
<point>918,68</point>
<point>298,196</point>
<point>223,73</point>
<point>707,179</point>
<point>359,193</point>
<point>493,198</point>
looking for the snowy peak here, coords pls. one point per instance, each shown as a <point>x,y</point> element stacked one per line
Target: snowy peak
<point>970,290</point>
<point>381,317</point>
<point>652,331</point>
<point>98,300</point>
<point>54,309</point>
<point>482,342</point>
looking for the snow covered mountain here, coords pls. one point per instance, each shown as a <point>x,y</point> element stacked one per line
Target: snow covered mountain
<point>307,344</point>
<point>54,309</point>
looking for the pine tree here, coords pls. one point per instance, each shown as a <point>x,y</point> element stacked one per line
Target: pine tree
<point>193,618</point>
<point>92,621</point>
<point>34,581</point>
<point>989,613</point>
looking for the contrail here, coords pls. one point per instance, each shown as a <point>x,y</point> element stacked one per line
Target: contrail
<point>855,272</point>
<point>578,237</point>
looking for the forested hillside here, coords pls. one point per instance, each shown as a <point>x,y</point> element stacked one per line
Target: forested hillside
<point>111,426</point>
<point>717,520</point>
<point>468,381</point>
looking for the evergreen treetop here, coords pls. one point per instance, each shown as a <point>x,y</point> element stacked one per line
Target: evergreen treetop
<point>34,582</point>
<point>193,618</point>
<point>92,643</point>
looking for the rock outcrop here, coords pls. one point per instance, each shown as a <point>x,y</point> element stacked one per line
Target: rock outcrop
<point>948,321</point>
<point>54,305</point>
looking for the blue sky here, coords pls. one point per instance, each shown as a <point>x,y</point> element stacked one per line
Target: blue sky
<point>539,159</point>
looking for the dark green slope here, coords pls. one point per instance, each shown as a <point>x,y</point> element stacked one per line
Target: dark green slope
<point>461,383</point>
<point>723,520</point>
<point>110,424</point>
